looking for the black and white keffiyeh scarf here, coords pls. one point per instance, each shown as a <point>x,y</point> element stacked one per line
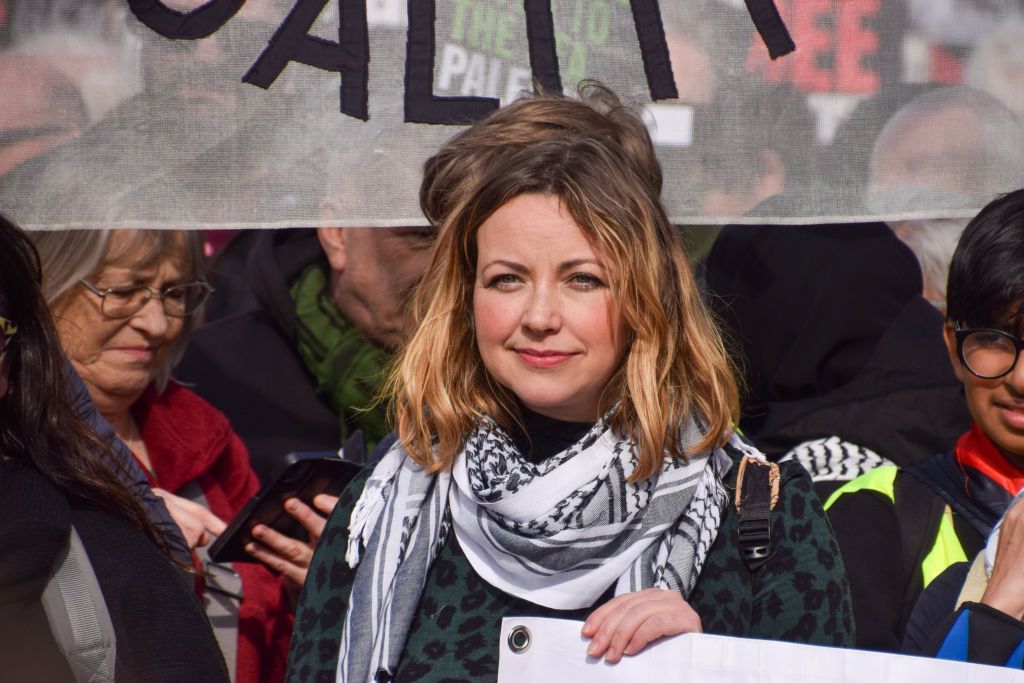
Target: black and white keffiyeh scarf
<point>556,533</point>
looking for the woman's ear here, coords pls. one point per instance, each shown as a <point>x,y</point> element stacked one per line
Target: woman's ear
<point>949,336</point>
<point>334,243</point>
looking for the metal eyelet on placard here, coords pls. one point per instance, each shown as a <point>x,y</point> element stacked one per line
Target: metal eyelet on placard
<point>519,639</point>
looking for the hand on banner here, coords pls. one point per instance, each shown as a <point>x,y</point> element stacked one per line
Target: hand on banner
<point>288,556</point>
<point>1005,590</point>
<point>198,525</point>
<point>628,623</point>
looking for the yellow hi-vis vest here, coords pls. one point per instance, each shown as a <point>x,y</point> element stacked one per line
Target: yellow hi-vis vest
<point>946,548</point>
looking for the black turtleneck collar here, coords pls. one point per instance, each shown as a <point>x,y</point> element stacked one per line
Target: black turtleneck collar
<point>545,436</point>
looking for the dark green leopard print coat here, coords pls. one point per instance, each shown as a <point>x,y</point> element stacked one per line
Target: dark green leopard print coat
<point>800,595</point>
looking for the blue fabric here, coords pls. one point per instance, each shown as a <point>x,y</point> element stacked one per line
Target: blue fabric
<point>127,469</point>
<point>1016,660</point>
<point>955,645</point>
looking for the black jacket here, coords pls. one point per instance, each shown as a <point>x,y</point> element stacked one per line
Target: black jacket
<point>162,633</point>
<point>248,366</point>
<point>835,339</point>
<point>885,541</point>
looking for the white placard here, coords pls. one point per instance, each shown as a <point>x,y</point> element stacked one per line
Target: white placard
<point>557,652</point>
<point>670,125</point>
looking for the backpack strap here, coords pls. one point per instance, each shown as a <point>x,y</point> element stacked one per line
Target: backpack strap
<point>78,616</point>
<point>223,595</point>
<point>757,493</point>
<point>919,513</point>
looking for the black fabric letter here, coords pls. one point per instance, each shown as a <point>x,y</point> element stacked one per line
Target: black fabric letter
<point>654,49</point>
<point>197,23</point>
<point>350,56</point>
<point>540,34</point>
<point>421,106</point>
<point>769,24</point>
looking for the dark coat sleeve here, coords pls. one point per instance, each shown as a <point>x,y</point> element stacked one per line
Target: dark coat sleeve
<point>980,634</point>
<point>34,525</point>
<point>127,469</point>
<point>936,603</point>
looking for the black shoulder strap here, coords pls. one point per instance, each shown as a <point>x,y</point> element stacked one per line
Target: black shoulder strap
<point>919,513</point>
<point>757,492</point>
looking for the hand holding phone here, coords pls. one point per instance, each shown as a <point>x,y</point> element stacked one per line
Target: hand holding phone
<point>283,531</point>
<point>288,556</point>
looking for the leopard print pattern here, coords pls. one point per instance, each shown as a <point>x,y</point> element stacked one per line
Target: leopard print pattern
<point>800,595</point>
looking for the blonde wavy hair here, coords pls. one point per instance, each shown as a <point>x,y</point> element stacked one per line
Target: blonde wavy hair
<point>596,156</point>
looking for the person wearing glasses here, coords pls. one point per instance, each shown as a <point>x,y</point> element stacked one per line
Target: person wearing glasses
<point>901,529</point>
<point>66,515</point>
<point>125,302</point>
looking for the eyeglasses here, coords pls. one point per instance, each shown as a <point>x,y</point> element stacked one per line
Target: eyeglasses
<point>7,331</point>
<point>179,301</point>
<point>988,354</point>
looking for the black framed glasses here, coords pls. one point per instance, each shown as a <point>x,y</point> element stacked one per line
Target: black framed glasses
<point>178,301</point>
<point>7,331</point>
<point>986,353</point>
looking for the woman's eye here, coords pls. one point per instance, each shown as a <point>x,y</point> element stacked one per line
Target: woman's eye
<point>503,281</point>
<point>124,291</point>
<point>585,281</point>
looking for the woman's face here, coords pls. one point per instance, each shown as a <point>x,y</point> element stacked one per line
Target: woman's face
<point>119,358</point>
<point>546,326</point>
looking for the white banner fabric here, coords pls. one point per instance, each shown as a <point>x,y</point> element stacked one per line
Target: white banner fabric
<point>280,113</point>
<point>557,652</point>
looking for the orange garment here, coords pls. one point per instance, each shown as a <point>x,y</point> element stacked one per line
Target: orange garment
<point>975,450</point>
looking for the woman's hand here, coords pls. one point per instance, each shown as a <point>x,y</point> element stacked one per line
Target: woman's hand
<point>628,623</point>
<point>288,556</point>
<point>1005,590</point>
<point>197,524</point>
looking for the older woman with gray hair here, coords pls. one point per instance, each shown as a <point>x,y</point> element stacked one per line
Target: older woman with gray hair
<point>124,302</point>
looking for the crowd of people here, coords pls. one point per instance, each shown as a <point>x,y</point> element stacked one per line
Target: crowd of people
<point>563,420</point>
<point>560,404</point>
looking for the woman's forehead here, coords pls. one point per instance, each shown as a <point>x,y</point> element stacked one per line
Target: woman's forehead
<point>137,250</point>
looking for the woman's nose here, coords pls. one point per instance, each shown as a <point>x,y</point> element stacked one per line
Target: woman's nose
<point>151,318</point>
<point>542,315</point>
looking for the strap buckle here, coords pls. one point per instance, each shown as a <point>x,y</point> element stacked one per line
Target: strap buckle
<point>757,494</point>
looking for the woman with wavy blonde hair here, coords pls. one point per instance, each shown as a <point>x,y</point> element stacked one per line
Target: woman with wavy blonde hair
<point>565,443</point>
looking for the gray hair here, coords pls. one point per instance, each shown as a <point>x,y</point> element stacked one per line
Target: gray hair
<point>70,256</point>
<point>993,167</point>
<point>933,242</point>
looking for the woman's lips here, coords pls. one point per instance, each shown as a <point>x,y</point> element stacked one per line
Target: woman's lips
<point>136,352</point>
<point>543,359</point>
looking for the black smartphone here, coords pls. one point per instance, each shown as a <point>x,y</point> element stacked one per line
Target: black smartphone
<point>307,476</point>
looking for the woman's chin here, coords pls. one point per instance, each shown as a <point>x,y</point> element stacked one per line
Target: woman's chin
<point>118,395</point>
